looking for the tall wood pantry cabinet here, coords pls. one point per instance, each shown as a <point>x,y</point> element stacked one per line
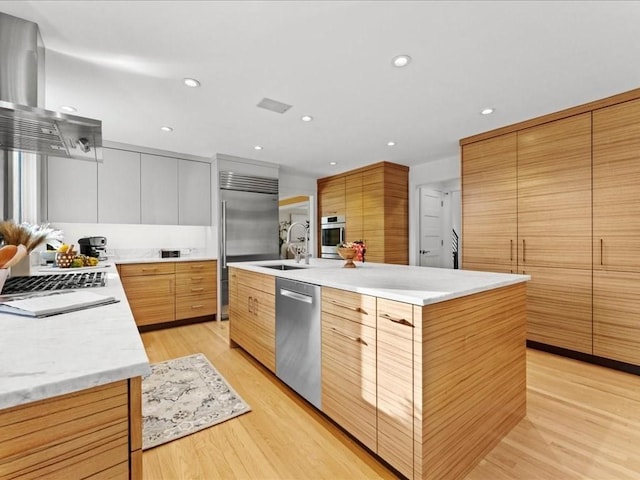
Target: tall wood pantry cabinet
<point>556,198</point>
<point>375,201</point>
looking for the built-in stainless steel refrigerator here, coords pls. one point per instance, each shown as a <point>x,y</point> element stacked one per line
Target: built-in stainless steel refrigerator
<point>249,227</point>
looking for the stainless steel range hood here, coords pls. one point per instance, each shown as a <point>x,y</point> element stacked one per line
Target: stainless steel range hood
<point>24,125</point>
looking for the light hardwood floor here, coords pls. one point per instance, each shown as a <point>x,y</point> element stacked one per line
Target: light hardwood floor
<point>583,422</point>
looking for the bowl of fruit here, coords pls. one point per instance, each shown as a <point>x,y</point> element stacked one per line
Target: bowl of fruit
<point>67,257</point>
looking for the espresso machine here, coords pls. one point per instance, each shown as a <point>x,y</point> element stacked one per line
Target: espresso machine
<point>93,247</point>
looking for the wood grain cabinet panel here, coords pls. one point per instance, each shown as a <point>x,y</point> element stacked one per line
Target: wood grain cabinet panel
<point>196,285</point>
<point>616,192</point>
<point>490,203</point>
<point>331,196</point>
<point>395,328</point>
<point>554,194</point>
<point>349,376</point>
<point>616,315</point>
<point>78,435</point>
<point>151,298</point>
<point>559,307</point>
<point>354,208</point>
<point>254,316</point>
<point>349,305</point>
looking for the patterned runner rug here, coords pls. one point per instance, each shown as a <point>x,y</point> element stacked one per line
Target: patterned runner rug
<point>183,396</point>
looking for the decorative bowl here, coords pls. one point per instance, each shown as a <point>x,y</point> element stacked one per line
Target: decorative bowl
<point>348,254</point>
<point>63,260</point>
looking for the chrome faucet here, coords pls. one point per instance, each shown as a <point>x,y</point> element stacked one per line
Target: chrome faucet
<point>296,253</point>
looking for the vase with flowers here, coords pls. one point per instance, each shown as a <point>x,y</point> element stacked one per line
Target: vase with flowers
<point>18,240</point>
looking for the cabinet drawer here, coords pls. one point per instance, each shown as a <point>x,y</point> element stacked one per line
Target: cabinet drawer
<point>195,283</point>
<point>205,267</point>
<point>257,281</point>
<point>349,305</point>
<point>135,269</point>
<point>189,306</point>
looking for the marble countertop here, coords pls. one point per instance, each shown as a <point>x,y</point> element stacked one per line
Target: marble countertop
<point>46,357</point>
<point>191,258</point>
<point>415,285</point>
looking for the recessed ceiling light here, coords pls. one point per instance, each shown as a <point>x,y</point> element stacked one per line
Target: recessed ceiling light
<point>401,61</point>
<point>68,108</point>
<point>257,147</point>
<point>306,118</point>
<point>333,163</point>
<point>391,144</point>
<point>487,111</point>
<point>166,129</point>
<point>191,82</point>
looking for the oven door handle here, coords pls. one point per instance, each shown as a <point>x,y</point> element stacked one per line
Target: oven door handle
<point>341,235</point>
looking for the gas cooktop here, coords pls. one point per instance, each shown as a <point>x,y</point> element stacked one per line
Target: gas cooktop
<point>65,281</point>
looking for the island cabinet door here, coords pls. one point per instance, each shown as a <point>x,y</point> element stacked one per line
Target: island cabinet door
<point>349,376</point>
<point>395,384</point>
<point>257,314</point>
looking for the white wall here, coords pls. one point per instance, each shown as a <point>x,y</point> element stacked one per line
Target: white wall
<point>443,174</point>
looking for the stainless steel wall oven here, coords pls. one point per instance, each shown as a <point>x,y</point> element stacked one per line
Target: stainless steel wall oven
<point>332,233</point>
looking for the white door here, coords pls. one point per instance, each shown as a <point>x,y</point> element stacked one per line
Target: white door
<point>431,240</point>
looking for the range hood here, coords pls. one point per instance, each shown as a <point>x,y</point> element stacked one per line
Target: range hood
<point>24,125</point>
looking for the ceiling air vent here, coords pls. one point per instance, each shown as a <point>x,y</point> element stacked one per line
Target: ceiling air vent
<point>273,105</point>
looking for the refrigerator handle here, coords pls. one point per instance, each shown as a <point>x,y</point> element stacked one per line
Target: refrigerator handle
<point>224,234</point>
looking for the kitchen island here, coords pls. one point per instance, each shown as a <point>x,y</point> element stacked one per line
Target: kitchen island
<point>424,366</point>
<point>70,391</point>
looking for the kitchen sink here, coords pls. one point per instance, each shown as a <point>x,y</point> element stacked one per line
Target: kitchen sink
<point>282,266</point>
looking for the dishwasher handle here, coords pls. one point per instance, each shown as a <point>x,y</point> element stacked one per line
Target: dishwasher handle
<point>300,297</point>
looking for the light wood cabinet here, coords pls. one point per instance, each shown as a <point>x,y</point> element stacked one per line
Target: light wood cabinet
<point>94,433</point>
<point>253,316</point>
<point>119,187</point>
<point>395,329</point>
<point>559,307</point>
<point>196,287</point>
<point>554,194</point>
<point>166,291</point>
<point>490,205</point>
<point>331,197</point>
<point>375,203</point>
<point>616,192</point>
<point>71,190</point>
<point>349,363</point>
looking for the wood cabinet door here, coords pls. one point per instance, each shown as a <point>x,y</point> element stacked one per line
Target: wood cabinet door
<point>554,194</point>
<point>489,203</point>
<point>349,376</point>
<point>395,384</point>
<point>559,307</point>
<point>151,298</point>
<point>616,316</point>
<point>354,207</point>
<point>331,196</point>
<point>257,311</point>
<point>616,192</point>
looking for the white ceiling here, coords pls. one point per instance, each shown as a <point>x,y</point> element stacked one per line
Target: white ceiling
<point>123,63</point>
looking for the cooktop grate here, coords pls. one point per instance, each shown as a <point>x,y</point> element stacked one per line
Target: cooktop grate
<point>65,281</point>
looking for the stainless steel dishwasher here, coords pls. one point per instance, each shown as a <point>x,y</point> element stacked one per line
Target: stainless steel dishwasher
<point>298,341</point>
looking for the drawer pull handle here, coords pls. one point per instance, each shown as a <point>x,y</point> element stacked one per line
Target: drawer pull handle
<point>197,279</point>
<point>149,269</point>
<point>401,321</point>
<point>348,307</point>
<point>197,289</point>
<point>197,306</point>
<point>250,304</point>
<point>197,267</point>
<point>355,339</point>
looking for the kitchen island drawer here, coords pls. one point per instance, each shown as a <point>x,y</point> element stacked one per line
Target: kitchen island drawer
<point>137,269</point>
<point>190,306</point>
<point>257,281</point>
<point>352,306</point>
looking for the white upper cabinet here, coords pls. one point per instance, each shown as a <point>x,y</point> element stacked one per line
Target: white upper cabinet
<point>71,190</point>
<point>119,187</point>
<point>194,193</point>
<point>159,190</point>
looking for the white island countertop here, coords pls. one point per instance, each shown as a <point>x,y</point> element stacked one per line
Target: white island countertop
<point>403,283</point>
<point>46,357</point>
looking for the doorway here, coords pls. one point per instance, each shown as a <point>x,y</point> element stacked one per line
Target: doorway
<point>294,210</point>
<point>439,226</point>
